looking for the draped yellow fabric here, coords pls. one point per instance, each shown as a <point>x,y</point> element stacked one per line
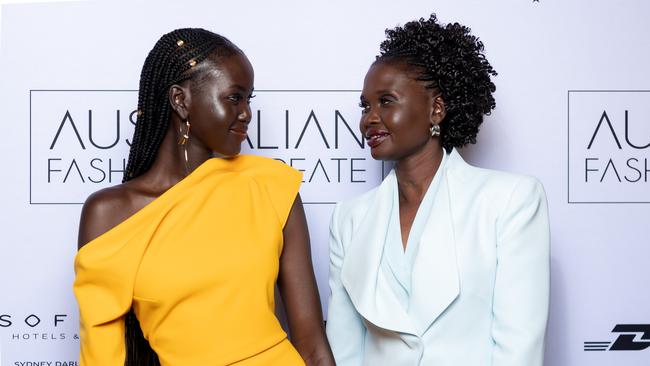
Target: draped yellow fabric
<point>198,265</point>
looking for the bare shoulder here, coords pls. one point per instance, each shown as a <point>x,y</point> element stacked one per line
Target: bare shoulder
<point>104,210</point>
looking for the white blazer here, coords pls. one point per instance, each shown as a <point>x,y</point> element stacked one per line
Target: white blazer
<point>481,275</point>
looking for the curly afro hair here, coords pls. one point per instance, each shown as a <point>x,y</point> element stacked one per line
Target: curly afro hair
<point>450,59</point>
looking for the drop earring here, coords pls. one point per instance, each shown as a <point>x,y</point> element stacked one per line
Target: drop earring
<point>435,130</point>
<point>183,139</point>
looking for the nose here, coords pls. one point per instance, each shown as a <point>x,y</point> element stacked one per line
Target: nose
<point>371,117</point>
<point>245,115</point>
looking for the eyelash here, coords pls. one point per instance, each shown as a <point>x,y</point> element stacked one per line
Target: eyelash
<point>236,98</point>
<point>365,106</point>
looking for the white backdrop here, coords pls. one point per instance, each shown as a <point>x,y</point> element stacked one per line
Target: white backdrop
<point>571,110</point>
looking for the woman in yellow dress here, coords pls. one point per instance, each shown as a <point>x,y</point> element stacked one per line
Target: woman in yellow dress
<point>177,266</point>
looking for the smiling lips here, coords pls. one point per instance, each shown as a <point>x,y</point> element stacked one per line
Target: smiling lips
<point>376,137</point>
<point>240,130</point>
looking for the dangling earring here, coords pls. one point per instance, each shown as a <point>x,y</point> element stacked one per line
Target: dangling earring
<point>435,130</point>
<point>182,140</point>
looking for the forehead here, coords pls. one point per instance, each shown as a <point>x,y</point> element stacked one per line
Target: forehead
<point>392,76</point>
<point>234,69</point>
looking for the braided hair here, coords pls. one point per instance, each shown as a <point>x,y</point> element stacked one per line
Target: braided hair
<point>450,59</point>
<point>176,57</point>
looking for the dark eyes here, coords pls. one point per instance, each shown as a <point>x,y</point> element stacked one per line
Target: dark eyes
<point>236,98</point>
<point>364,107</point>
<point>383,101</point>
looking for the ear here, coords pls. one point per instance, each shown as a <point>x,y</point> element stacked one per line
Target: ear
<point>438,110</point>
<point>180,100</point>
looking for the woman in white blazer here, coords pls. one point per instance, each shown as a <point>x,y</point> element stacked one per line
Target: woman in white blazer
<point>443,264</point>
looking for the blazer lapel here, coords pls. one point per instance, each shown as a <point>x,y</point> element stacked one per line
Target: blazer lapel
<point>361,272</point>
<point>435,283</point>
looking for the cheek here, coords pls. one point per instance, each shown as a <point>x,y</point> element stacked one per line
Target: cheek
<point>410,126</point>
<point>404,120</point>
<point>219,114</point>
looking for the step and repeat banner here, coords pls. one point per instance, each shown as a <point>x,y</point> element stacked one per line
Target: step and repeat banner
<point>573,109</point>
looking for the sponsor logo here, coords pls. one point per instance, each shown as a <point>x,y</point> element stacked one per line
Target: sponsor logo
<point>631,337</point>
<point>79,141</point>
<point>608,146</point>
<point>36,327</point>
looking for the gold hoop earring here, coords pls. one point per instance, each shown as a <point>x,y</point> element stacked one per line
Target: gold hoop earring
<point>185,135</point>
<point>183,139</point>
<point>435,130</point>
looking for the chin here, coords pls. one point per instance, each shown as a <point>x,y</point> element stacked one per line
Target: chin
<point>383,158</point>
<point>380,155</point>
<point>227,153</point>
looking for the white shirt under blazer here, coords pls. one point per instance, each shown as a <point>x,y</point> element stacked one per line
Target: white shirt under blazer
<point>480,278</point>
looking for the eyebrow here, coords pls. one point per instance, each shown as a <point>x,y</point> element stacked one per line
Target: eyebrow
<point>241,88</point>
<point>379,92</point>
<point>384,91</point>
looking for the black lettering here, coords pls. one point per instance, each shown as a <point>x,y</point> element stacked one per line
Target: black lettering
<point>58,318</point>
<point>111,171</point>
<point>338,115</point>
<point>604,117</point>
<point>90,131</point>
<point>99,169</point>
<point>587,170</point>
<point>338,168</point>
<point>610,163</point>
<point>50,170</point>
<point>627,135</point>
<point>250,143</point>
<point>352,170</point>
<point>312,115</point>
<point>286,128</point>
<point>73,164</point>
<point>133,122</point>
<point>319,163</point>
<point>635,169</point>
<point>259,133</point>
<point>5,320</point>
<point>32,320</point>
<point>74,128</point>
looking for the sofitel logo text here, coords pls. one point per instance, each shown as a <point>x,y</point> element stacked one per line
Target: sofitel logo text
<point>609,147</point>
<point>34,327</point>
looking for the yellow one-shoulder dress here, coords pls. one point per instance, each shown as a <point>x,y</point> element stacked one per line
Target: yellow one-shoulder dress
<point>198,265</point>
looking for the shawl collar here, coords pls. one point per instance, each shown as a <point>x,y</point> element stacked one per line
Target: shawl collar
<point>435,283</point>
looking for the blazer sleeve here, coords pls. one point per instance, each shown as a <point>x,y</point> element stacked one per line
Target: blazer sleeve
<point>345,329</point>
<point>102,344</point>
<point>521,290</point>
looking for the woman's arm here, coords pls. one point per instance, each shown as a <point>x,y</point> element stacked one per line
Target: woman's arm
<point>100,344</point>
<point>345,329</point>
<point>521,290</point>
<point>299,292</point>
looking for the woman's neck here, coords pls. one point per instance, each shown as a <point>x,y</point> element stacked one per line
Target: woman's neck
<point>415,172</point>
